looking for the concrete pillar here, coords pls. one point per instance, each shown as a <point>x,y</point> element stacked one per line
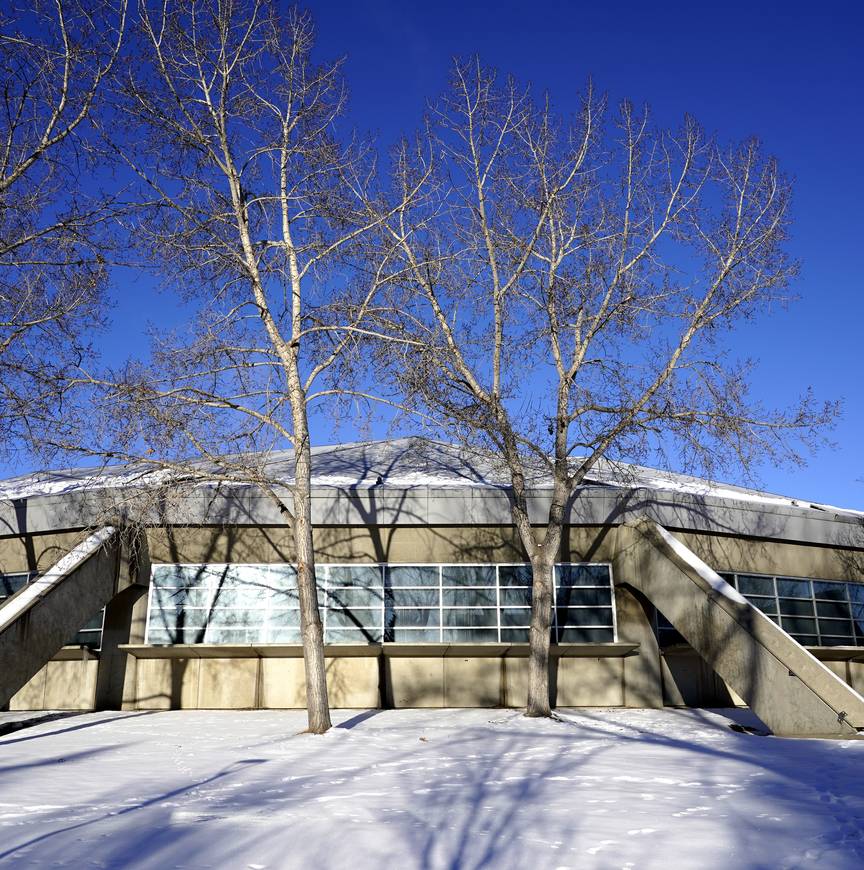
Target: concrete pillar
<point>643,685</point>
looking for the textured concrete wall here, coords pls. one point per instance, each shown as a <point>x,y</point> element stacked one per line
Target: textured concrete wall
<point>60,685</point>
<point>439,544</point>
<point>355,682</point>
<point>490,543</point>
<point>21,553</point>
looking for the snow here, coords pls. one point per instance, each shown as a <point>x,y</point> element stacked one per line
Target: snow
<point>39,587</point>
<point>426,789</point>
<point>402,463</point>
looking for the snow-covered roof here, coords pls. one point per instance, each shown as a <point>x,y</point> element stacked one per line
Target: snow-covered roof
<point>404,463</point>
<point>410,481</point>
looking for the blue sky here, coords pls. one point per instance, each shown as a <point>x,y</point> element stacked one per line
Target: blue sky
<point>794,78</point>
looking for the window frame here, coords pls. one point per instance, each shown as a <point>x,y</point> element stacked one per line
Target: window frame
<point>323,581</point>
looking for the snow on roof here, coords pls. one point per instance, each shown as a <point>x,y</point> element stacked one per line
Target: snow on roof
<point>402,463</point>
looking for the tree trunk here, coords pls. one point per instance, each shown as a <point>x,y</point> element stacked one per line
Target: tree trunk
<point>542,593</point>
<point>317,703</point>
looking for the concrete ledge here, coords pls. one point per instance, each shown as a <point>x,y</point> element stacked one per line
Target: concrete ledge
<point>430,650</point>
<point>75,654</point>
<point>837,653</point>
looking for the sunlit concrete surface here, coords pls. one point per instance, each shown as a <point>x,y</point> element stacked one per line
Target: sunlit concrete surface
<point>426,789</point>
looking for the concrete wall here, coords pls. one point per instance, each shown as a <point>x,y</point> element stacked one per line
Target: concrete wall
<point>438,544</point>
<point>64,684</point>
<point>22,553</point>
<point>356,681</point>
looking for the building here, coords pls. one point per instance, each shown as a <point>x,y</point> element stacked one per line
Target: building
<point>425,593</point>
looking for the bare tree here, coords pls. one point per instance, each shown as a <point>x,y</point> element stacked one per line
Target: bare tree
<point>253,207</point>
<point>54,60</point>
<point>571,288</point>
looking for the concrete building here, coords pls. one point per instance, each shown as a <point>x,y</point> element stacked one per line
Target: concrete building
<point>669,591</point>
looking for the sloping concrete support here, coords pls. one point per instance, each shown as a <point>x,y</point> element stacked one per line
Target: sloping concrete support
<point>38,620</point>
<point>790,690</point>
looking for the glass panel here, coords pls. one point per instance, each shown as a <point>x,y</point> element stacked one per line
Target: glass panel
<point>839,640</point>
<point>582,575</point>
<point>585,616</point>
<point>470,617</point>
<point>834,609</point>
<point>514,575</point>
<point>241,596</point>
<point>469,597</point>
<point>515,616</point>
<point>355,575</point>
<point>514,635</point>
<point>749,585</point>
<point>411,575</point>
<point>94,624</point>
<point>275,634</point>
<point>354,597</point>
<point>569,596</point>
<point>585,635</point>
<point>470,635</point>
<point>412,597</point>
<point>285,598</point>
<point>180,575</point>
<point>283,618</point>
<point>729,578</point>
<point>235,618</point>
<point>413,617</point>
<point>231,635</point>
<point>468,575</point>
<point>350,635</point>
<point>184,617</point>
<point>409,635</point>
<point>796,607</point>
<point>11,583</point>
<point>807,639</point>
<point>355,618</point>
<point>180,633</point>
<point>185,597</point>
<point>516,597</point>
<point>834,591</point>
<point>797,625</point>
<point>793,588</point>
<point>856,592</point>
<point>257,576</point>
<point>160,637</point>
<point>283,577</point>
<point>766,605</point>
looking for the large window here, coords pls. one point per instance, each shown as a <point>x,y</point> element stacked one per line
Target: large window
<point>90,635</point>
<point>814,612</point>
<point>242,604</point>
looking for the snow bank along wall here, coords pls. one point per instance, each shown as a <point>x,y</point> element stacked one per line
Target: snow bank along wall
<point>158,652</point>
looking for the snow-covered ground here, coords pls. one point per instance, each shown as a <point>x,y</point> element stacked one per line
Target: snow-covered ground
<point>426,789</point>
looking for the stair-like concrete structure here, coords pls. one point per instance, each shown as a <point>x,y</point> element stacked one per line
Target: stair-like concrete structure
<point>790,690</point>
<point>37,621</point>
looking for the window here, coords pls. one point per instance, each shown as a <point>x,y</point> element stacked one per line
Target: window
<point>90,635</point>
<point>360,604</point>
<point>814,612</point>
<point>11,583</point>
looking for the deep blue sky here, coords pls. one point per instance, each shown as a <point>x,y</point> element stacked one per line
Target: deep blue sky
<point>793,77</point>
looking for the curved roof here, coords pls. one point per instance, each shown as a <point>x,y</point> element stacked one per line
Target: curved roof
<point>417,480</point>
